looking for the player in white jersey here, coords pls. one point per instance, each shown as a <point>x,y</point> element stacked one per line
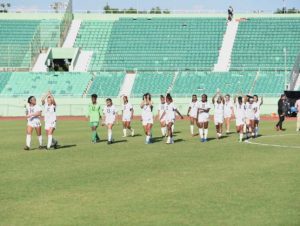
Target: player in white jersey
<point>127,116</point>
<point>228,112</point>
<point>219,113</point>
<point>162,120</point>
<point>258,104</point>
<point>250,116</point>
<point>203,117</point>
<point>49,104</point>
<point>147,116</point>
<point>33,114</point>
<point>192,113</point>
<point>240,114</point>
<point>110,114</point>
<point>170,115</point>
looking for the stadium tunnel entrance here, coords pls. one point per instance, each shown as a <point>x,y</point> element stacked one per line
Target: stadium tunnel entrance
<point>62,59</point>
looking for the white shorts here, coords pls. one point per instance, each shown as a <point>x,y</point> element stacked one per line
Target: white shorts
<point>146,121</point>
<point>227,114</point>
<point>170,120</point>
<point>257,117</point>
<point>239,122</point>
<point>193,115</point>
<point>49,125</point>
<point>218,119</point>
<point>203,117</point>
<point>34,123</point>
<point>126,118</point>
<point>109,121</point>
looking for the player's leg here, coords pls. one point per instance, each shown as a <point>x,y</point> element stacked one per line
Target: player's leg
<point>29,130</point>
<point>51,141</point>
<point>124,128</point>
<point>130,128</point>
<point>170,133</point>
<point>205,125</point>
<point>148,133</point>
<point>38,131</point>
<point>241,132</point>
<point>109,133</point>
<point>256,127</point>
<point>163,128</point>
<point>94,133</point>
<point>227,123</point>
<point>201,131</point>
<point>298,122</point>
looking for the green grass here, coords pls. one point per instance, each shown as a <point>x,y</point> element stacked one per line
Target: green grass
<point>221,182</point>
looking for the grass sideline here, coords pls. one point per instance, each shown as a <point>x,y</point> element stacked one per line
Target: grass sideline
<point>221,182</point>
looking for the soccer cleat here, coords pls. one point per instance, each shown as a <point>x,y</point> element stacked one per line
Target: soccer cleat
<point>41,147</point>
<point>202,140</point>
<point>55,146</point>
<point>27,148</point>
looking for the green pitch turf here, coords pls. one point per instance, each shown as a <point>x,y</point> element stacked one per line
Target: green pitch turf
<point>221,182</point>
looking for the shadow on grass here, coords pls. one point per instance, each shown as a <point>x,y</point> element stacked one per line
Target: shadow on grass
<point>66,146</point>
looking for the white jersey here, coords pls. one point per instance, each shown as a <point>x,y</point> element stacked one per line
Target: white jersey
<point>257,113</point>
<point>250,110</point>
<point>170,112</point>
<point>228,109</point>
<point>240,111</point>
<point>33,121</point>
<point>194,109</point>
<point>50,113</point>
<point>219,109</point>
<point>127,111</point>
<point>110,114</point>
<point>147,116</point>
<point>202,107</point>
<point>161,109</point>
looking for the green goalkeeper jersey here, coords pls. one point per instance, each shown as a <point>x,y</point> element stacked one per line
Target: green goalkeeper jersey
<point>94,112</point>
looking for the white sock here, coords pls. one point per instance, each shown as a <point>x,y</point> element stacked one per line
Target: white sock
<point>256,131</point>
<point>40,140</point>
<point>192,129</point>
<point>241,136</point>
<point>173,128</point>
<point>109,135</point>
<point>201,132</point>
<point>163,131</point>
<point>205,133</point>
<point>147,138</point>
<point>28,140</point>
<point>49,141</point>
<point>169,139</point>
<point>125,132</point>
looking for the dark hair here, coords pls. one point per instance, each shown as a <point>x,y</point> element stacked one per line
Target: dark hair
<point>227,95</point>
<point>109,99</point>
<point>240,98</point>
<point>162,96</point>
<point>94,96</point>
<point>255,96</point>
<point>146,94</point>
<point>194,95</point>
<point>204,95</point>
<point>29,99</point>
<point>169,97</point>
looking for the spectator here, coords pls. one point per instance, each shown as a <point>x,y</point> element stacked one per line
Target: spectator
<point>282,110</point>
<point>297,106</point>
<point>230,13</point>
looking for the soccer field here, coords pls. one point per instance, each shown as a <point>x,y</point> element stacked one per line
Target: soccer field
<point>221,182</point>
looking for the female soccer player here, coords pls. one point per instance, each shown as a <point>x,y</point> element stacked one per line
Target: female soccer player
<point>170,115</point>
<point>219,113</point>
<point>162,120</point>
<point>147,116</point>
<point>94,113</point>
<point>127,116</point>
<point>50,119</point>
<point>228,112</point>
<point>109,119</point>
<point>240,113</point>
<point>203,117</point>
<point>250,116</point>
<point>192,113</point>
<point>33,114</point>
<point>258,103</point>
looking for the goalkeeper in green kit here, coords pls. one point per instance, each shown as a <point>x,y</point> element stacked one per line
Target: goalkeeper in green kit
<point>94,113</point>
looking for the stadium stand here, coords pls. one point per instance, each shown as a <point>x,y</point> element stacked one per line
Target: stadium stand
<point>154,83</point>
<point>156,43</point>
<point>15,39</point>
<point>94,36</point>
<point>26,83</point>
<point>4,78</point>
<point>269,84</point>
<point>106,84</point>
<point>260,44</point>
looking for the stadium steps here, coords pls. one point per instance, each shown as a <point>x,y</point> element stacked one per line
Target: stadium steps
<point>86,91</point>
<point>173,82</point>
<point>83,61</point>
<point>254,83</point>
<point>72,34</point>
<point>127,84</point>
<point>223,64</point>
<point>40,64</point>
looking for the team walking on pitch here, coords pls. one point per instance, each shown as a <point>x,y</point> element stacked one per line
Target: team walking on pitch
<point>245,110</point>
